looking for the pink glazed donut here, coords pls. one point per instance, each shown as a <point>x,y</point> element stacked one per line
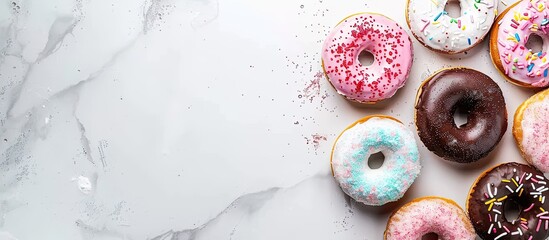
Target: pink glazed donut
<point>422,216</point>
<point>383,38</point>
<point>520,65</point>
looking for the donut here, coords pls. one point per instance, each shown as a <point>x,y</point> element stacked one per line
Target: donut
<point>367,136</point>
<point>441,95</point>
<point>518,64</point>
<point>429,215</point>
<point>435,29</point>
<point>374,33</point>
<point>531,130</point>
<point>510,183</point>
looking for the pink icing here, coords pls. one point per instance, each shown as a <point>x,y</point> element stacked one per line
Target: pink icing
<point>519,63</point>
<point>381,36</point>
<point>428,215</point>
<point>535,134</point>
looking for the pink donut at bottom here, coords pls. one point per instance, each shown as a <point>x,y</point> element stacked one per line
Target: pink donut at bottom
<point>430,215</point>
<point>379,35</point>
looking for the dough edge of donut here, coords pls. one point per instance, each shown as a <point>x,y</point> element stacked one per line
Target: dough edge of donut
<point>517,123</point>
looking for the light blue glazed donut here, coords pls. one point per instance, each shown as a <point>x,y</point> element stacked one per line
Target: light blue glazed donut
<point>365,137</point>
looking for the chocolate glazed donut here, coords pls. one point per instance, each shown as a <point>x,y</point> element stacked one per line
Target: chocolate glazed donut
<point>510,183</point>
<point>474,93</point>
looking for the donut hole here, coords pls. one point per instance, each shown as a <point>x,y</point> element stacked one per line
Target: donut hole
<point>453,9</point>
<point>511,210</point>
<point>430,236</point>
<point>366,58</point>
<point>534,43</point>
<point>461,116</point>
<point>376,160</point>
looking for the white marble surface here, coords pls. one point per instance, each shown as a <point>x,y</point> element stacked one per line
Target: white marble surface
<point>193,119</point>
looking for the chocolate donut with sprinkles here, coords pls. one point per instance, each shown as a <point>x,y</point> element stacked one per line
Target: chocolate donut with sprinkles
<point>385,40</point>
<point>510,183</point>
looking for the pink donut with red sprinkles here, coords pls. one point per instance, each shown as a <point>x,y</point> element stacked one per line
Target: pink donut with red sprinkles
<point>385,40</point>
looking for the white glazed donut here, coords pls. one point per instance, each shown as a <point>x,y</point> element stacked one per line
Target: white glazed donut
<point>432,26</point>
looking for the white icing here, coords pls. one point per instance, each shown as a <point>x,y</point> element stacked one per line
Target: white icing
<point>448,35</point>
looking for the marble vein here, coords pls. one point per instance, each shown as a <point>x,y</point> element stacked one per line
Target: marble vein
<point>64,26</point>
<point>115,56</point>
<point>61,28</point>
<point>248,203</point>
<point>84,139</point>
<point>13,166</point>
<point>10,33</point>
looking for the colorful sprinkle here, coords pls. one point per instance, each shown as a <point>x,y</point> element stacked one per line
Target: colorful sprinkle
<point>438,16</point>
<point>530,67</point>
<point>517,37</point>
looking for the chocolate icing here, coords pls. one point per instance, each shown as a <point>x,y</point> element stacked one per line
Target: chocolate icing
<point>472,91</point>
<point>514,176</point>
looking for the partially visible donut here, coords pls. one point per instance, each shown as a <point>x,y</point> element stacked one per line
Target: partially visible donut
<point>353,147</point>
<point>438,99</point>
<point>531,130</point>
<point>505,184</point>
<point>508,41</point>
<point>435,29</point>
<point>422,216</point>
<point>383,38</point>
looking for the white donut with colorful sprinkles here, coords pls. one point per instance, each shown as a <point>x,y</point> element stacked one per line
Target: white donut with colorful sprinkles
<point>438,31</point>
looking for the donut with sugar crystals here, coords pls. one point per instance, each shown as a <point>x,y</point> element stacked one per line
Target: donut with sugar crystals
<point>422,216</point>
<point>367,136</point>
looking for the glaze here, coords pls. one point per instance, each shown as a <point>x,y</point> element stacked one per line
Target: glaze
<point>379,35</point>
<point>438,99</point>
<point>433,27</point>
<point>368,136</point>
<point>520,183</point>
<point>429,215</point>
<point>513,30</point>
